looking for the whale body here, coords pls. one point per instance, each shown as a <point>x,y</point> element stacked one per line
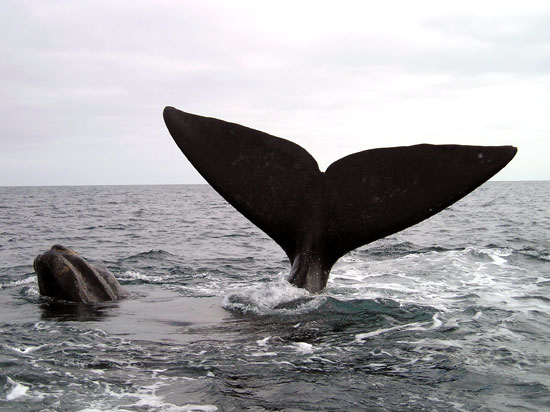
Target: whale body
<point>317,217</point>
<point>64,274</point>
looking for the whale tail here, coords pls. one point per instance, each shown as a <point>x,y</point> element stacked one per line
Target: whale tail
<point>318,217</point>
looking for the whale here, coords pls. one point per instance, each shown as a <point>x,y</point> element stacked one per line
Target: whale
<point>317,217</point>
<point>63,274</point>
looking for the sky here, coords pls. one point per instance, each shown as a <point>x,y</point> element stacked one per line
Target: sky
<point>83,83</point>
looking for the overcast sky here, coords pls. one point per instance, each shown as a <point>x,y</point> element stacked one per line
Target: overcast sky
<point>83,83</point>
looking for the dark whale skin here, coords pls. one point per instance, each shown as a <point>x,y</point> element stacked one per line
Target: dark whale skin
<point>64,274</point>
<point>317,217</point>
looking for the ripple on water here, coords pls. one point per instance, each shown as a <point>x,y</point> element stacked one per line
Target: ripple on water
<point>449,315</point>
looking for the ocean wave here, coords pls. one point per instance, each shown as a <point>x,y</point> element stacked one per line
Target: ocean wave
<point>18,282</point>
<point>385,249</point>
<point>494,255</point>
<point>541,255</point>
<point>284,300</point>
<point>361,337</point>
<point>388,249</point>
<point>275,298</point>
<point>544,299</point>
<point>131,275</point>
<point>16,391</point>
<point>151,254</point>
<point>434,312</point>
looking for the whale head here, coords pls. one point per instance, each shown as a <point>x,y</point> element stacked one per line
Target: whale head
<point>64,274</point>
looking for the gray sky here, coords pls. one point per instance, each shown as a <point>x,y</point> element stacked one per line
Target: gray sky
<point>83,83</point>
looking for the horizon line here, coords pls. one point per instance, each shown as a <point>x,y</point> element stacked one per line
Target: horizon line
<point>205,184</point>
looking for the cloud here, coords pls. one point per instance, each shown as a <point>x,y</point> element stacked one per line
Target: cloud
<point>83,84</point>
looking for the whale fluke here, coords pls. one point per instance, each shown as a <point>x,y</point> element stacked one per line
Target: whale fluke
<point>318,217</point>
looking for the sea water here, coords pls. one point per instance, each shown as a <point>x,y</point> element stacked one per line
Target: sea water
<point>450,315</point>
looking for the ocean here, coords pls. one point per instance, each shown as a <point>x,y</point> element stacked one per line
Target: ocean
<point>452,314</point>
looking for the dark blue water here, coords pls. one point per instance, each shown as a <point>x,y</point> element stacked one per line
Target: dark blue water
<point>450,315</point>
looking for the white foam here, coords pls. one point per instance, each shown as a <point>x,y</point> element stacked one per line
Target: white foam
<point>17,391</point>
<point>436,322</point>
<point>199,408</point>
<point>381,353</point>
<point>19,282</point>
<point>133,275</point>
<point>144,398</point>
<point>359,338</point>
<point>264,299</point>
<point>497,255</point>
<point>263,342</point>
<point>261,354</point>
<point>362,336</point>
<point>41,325</point>
<point>441,280</point>
<point>303,347</point>
<point>27,350</point>
<point>376,365</point>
